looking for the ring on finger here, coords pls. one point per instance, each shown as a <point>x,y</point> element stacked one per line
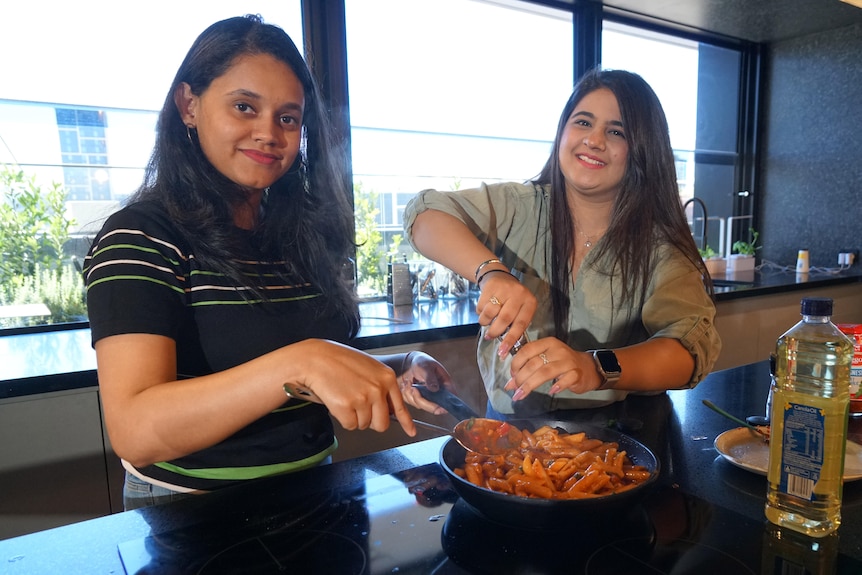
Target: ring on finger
<point>495,301</point>
<point>544,359</point>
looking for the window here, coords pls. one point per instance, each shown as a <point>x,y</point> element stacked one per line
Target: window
<point>442,93</point>
<point>459,92</point>
<point>669,65</point>
<point>698,84</point>
<point>79,113</point>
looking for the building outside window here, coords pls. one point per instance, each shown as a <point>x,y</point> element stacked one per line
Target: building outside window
<point>84,150</point>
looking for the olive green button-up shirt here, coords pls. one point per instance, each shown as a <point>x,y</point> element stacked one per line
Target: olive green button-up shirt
<point>511,219</point>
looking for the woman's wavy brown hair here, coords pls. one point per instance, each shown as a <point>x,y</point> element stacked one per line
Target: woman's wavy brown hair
<point>647,213</point>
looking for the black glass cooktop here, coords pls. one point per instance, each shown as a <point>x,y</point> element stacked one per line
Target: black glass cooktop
<point>413,523</point>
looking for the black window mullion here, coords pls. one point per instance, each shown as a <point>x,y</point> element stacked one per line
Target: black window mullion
<point>749,119</point>
<point>325,32</point>
<point>587,23</point>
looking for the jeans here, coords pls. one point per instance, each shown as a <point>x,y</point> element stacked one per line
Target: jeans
<point>138,493</point>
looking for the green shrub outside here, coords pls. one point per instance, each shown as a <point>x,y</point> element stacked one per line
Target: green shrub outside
<point>33,267</point>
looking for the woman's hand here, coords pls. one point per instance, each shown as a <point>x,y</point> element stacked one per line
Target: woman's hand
<point>420,369</point>
<point>549,359</point>
<point>506,307</point>
<point>153,417</point>
<point>359,391</point>
<point>661,363</point>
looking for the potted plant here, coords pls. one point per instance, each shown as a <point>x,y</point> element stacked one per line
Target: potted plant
<point>715,264</point>
<point>743,257</point>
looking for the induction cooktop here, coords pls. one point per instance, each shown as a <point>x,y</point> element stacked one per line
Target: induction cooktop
<point>412,522</point>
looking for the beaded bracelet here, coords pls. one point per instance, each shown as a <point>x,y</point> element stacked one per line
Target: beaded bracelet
<point>482,266</point>
<point>481,277</point>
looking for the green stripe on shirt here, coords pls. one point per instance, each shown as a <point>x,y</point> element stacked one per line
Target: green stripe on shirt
<point>256,472</point>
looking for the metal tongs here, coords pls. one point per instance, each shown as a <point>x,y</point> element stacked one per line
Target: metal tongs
<point>753,428</point>
<point>477,434</point>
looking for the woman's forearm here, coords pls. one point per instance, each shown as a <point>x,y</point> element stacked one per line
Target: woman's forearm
<point>447,240</point>
<point>656,364</point>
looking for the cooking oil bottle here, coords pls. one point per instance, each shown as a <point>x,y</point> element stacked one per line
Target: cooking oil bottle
<point>810,401</point>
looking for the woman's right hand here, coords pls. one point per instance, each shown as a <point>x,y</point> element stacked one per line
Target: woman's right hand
<point>359,391</point>
<point>505,306</point>
<point>153,417</point>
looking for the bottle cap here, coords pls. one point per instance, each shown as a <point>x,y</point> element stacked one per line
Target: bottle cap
<point>817,306</point>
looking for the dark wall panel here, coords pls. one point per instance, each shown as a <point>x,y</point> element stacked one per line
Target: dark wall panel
<point>811,157</point>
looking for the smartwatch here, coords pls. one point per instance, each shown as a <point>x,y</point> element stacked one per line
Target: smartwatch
<point>608,367</point>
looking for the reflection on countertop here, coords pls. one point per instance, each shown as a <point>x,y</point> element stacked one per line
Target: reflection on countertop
<point>737,284</point>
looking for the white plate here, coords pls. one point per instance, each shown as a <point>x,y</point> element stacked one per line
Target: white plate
<point>747,450</point>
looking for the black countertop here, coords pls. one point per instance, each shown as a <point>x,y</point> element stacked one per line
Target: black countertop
<point>769,280</point>
<point>41,362</point>
<point>720,506</point>
<point>63,359</point>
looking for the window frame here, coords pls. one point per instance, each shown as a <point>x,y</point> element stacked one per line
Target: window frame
<point>749,107</point>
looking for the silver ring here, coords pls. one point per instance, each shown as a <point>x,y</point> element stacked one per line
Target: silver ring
<point>495,301</point>
<point>544,358</point>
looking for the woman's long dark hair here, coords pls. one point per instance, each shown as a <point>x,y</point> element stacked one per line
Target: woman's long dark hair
<point>308,218</point>
<point>647,213</point>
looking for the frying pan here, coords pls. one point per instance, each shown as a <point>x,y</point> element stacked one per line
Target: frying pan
<point>544,514</point>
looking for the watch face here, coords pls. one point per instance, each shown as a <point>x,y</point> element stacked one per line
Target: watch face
<point>608,361</point>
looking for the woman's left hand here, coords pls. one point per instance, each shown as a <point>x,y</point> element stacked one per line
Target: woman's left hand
<point>420,369</point>
<point>550,359</point>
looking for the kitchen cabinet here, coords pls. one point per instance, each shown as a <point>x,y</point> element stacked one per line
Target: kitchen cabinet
<point>52,461</point>
<point>750,326</point>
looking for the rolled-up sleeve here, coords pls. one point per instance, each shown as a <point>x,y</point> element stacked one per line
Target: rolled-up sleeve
<point>473,207</point>
<point>678,307</point>
<point>498,213</point>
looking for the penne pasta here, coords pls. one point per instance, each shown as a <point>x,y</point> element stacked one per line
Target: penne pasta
<point>553,465</point>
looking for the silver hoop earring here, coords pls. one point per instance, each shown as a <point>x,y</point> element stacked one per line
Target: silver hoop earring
<point>189,129</point>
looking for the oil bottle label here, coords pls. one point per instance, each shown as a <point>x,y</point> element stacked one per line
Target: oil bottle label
<point>802,450</point>
<point>854,332</point>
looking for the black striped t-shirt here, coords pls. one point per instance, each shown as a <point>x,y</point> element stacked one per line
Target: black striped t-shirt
<point>142,277</point>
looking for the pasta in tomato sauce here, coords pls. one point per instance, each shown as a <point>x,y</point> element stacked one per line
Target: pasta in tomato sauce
<point>550,464</point>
